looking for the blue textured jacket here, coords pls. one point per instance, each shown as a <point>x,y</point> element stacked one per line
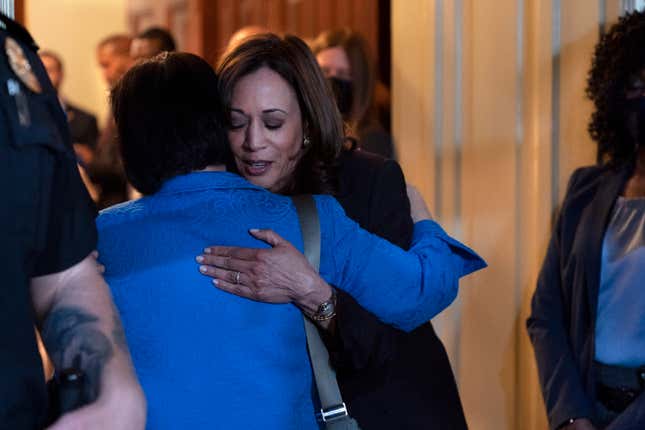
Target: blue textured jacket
<point>208,359</point>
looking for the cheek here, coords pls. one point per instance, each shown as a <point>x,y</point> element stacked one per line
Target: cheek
<point>290,143</point>
<point>235,143</point>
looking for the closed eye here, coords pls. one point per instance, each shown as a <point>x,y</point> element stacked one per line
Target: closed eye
<point>272,125</point>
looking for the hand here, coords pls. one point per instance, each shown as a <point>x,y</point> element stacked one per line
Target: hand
<point>277,275</point>
<point>99,266</point>
<point>127,411</point>
<point>418,208</point>
<point>579,424</point>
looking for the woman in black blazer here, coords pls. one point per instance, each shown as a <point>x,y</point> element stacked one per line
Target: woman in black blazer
<point>574,292</point>
<point>389,379</point>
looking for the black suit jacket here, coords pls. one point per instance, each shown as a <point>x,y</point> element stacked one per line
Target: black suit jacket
<point>82,126</point>
<point>389,379</point>
<point>564,306</point>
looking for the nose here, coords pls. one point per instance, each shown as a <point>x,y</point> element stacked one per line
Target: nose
<point>254,137</point>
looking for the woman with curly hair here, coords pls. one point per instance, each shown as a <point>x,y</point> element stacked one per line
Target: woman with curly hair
<point>588,312</point>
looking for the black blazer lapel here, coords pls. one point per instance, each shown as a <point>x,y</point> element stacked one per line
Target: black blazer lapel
<point>594,223</point>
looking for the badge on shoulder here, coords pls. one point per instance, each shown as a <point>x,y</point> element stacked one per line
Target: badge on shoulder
<point>20,65</point>
<point>22,106</point>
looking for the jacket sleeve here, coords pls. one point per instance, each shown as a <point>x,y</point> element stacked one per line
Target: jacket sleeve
<point>361,340</point>
<point>401,288</point>
<point>562,387</point>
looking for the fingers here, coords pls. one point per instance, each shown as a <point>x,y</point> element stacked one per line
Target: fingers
<point>222,262</point>
<point>230,276</point>
<point>239,290</point>
<point>236,252</point>
<point>101,268</point>
<point>249,254</point>
<point>267,235</point>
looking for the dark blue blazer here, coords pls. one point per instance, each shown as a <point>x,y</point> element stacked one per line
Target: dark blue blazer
<point>389,379</point>
<point>564,306</point>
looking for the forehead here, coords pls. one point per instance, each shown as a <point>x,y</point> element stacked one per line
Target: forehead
<point>263,88</point>
<point>144,47</point>
<point>108,52</point>
<point>336,57</point>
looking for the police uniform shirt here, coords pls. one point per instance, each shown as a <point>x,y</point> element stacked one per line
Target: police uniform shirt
<point>46,217</point>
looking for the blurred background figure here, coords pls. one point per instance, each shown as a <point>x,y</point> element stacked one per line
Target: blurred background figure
<point>113,56</point>
<point>82,124</point>
<point>151,42</point>
<point>106,170</point>
<point>345,60</point>
<point>243,33</point>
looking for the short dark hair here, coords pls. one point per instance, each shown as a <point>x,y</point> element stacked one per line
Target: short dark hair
<point>120,43</point>
<point>292,59</point>
<point>169,119</point>
<point>617,59</point>
<point>163,36</point>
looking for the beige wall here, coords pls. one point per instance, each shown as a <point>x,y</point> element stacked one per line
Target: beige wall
<point>490,118</point>
<point>72,28</point>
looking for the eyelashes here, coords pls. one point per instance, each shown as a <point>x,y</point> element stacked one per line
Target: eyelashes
<point>268,126</point>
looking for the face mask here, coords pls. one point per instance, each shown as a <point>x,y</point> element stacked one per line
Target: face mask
<point>636,119</point>
<point>343,91</point>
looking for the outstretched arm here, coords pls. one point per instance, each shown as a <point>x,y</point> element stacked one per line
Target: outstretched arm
<point>81,329</point>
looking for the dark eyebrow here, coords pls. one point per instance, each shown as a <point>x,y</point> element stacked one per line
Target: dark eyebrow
<point>274,110</point>
<point>240,111</point>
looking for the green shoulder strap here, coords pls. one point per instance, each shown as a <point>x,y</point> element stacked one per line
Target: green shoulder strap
<point>333,411</point>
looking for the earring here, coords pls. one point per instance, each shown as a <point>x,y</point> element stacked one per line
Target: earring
<point>306,142</point>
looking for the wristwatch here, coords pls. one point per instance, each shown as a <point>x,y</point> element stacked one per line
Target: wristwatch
<point>326,310</point>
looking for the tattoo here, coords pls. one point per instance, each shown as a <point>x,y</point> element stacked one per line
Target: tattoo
<point>118,334</point>
<point>74,341</point>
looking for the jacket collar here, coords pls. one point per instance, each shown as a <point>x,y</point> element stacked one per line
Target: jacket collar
<point>200,181</point>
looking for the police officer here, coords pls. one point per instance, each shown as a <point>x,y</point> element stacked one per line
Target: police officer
<point>48,276</point>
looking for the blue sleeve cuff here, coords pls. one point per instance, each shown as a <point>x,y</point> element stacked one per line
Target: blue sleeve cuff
<point>471,262</point>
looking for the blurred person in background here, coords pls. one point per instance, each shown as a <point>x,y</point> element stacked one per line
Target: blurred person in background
<point>389,379</point>
<point>82,124</point>
<point>244,33</point>
<point>113,57</point>
<point>106,170</point>
<point>151,42</point>
<point>344,57</point>
<point>587,321</point>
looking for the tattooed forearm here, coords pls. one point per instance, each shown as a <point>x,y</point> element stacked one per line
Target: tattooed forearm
<point>74,340</point>
<point>118,334</point>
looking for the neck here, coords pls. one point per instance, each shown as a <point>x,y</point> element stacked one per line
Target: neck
<point>213,168</point>
<point>640,163</point>
<point>635,186</point>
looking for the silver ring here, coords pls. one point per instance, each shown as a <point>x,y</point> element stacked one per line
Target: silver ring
<point>237,278</point>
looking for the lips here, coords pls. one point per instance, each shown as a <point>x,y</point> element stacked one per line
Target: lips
<point>256,167</point>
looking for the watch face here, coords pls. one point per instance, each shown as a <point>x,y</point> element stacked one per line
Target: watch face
<point>326,309</point>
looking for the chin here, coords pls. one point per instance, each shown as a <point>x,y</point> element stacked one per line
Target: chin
<point>261,182</point>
